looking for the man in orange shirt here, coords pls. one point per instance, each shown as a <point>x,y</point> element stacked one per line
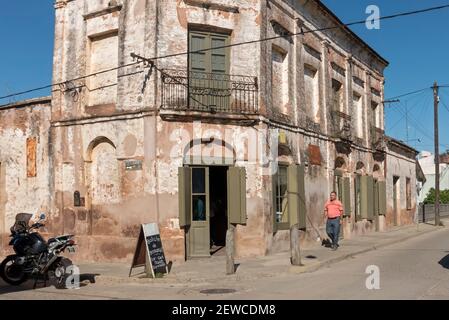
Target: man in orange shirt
<point>333,210</point>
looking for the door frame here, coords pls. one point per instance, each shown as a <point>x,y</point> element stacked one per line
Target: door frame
<point>202,164</point>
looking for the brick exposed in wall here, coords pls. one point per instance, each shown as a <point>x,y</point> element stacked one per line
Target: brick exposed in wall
<point>31,157</point>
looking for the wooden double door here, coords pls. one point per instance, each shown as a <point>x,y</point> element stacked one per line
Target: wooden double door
<point>209,199</point>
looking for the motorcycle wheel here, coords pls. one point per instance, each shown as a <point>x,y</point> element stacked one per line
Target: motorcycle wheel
<point>11,273</point>
<point>63,270</point>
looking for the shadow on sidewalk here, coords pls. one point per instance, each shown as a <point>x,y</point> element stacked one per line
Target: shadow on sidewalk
<point>445,262</point>
<point>29,284</point>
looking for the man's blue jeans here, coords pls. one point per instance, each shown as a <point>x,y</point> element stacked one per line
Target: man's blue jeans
<point>333,230</point>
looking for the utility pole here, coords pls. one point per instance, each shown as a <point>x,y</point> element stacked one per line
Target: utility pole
<point>437,155</point>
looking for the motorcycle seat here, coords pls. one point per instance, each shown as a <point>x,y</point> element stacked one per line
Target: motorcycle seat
<point>51,240</point>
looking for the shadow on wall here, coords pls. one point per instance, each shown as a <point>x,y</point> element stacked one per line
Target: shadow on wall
<point>445,261</point>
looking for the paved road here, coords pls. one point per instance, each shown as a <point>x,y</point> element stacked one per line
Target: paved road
<point>414,269</point>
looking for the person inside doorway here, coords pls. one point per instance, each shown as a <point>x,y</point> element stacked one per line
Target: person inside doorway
<point>333,210</point>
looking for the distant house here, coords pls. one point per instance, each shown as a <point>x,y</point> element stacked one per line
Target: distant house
<point>426,160</point>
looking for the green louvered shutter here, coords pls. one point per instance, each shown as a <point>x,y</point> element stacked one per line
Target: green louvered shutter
<point>370,197</point>
<point>198,60</point>
<point>296,196</point>
<point>358,197</point>
<point>199,64</point>
<point>219,68</point>
<point>364,197</point>
<point>209,70</point>
<point>376,197</point>
<point>293,195</point>
<point>346,197</point>
<point>382,194</point>
<point>237,195</point>
<point>274,179</point>
<point>184,195</point>
<point>302,197</point>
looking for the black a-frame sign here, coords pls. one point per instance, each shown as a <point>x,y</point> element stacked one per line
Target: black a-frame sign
<point>149,251</point>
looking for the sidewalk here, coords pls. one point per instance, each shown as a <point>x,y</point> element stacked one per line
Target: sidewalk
<point>212,271</point>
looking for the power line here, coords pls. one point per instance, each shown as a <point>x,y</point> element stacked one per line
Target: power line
<point>420,98</point>
<point>409,93</point>
<point>418,126</point>
<point>444,104</point>
<point>402,14</point>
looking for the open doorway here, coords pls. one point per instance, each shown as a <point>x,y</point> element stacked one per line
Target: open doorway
<point>218,208</point>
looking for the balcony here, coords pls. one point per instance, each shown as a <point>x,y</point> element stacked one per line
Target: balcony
<point>341,123</point>
<point>214,94</point>
<point>378,138</point>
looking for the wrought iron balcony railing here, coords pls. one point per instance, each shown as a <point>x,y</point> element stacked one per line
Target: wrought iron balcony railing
<point>209,92</point>
<point>341,123</point>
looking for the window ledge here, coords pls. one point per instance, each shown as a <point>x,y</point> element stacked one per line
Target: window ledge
<point>102,12</point>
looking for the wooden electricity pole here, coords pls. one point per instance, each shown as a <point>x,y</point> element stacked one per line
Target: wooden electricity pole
<point>437,155</point>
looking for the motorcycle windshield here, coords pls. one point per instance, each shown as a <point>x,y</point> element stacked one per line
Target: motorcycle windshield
<point>22,222</point>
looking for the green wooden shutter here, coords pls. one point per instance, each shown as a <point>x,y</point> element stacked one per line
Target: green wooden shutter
<point>382,194</point>
<point>274,179</point>
<point>199,64</point>
<point>358,197</point>
<point>296,196</point>
<point>293,195</point>
<point>209,69</point>
<point>376,197</point>
<point>370,197</point>
<point>219,56</point>
<point>198,60</point>
<point>237,195</point>
<point>302,197</point>
<point>346,197</point>
<point>219,68</point>
<point>364,197</point>
<point>184,195</point>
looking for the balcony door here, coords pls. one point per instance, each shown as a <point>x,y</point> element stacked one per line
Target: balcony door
<point>209,80</point>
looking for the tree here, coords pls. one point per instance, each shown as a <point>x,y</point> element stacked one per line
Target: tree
<point>430,198</point>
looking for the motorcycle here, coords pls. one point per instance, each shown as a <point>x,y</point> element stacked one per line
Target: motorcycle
<point>35,257</point>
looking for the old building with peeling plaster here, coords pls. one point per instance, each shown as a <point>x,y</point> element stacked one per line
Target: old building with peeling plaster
<point>256,135</point>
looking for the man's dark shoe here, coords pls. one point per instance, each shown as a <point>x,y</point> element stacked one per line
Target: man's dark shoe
<point>334,247</point>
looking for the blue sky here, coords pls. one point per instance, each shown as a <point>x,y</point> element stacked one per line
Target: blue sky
<point>417,48</point>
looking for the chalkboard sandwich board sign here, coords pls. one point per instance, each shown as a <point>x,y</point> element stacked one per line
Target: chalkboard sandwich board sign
<point>149,251</point>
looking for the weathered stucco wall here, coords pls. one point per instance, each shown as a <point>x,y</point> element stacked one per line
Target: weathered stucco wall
<point>119,150</point>
<point>128,128</point>
<point>24,167</point>
<point>400,165</point>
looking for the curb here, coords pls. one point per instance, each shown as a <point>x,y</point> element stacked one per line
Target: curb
<point>318,265</point>
<point>309,268</point>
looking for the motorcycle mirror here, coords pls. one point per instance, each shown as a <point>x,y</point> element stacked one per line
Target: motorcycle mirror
<point>42,216</point>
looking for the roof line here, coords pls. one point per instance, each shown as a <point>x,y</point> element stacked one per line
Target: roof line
<point>26,102</point>
<point>352,33</point>
<point>402,144</point>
